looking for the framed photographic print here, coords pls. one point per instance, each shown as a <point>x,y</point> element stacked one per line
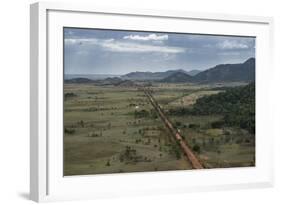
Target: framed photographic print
<point>127,102</point>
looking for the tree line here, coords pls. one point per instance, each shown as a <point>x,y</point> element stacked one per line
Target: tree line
<point>236,105</point>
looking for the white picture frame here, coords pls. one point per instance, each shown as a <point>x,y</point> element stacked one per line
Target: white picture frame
<point>46,180</point>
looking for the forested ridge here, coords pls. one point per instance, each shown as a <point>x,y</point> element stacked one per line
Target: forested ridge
<point>236,105</point>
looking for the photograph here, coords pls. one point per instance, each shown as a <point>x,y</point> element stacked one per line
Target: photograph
<point>149,101</point>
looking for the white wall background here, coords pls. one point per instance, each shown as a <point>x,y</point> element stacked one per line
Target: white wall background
<point>14,101</point>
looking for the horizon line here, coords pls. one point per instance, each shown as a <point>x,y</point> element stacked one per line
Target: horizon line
<point>156,71</point>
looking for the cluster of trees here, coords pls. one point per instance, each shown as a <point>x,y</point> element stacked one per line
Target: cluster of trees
<point>141,114</point>
<point>145,114</point>
<point>176,150</point>
<point>128,154</point>
<point>69,95</point>
<point>237,105</point>
<point>69,131</point>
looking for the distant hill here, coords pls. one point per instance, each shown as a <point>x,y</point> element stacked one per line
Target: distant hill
<point>150,75</point>
<point>110,81</point>
<point>125,83</point>
<point>78,80</point>
<point>240,72</point>
<point>228,73</point>
<point>106,81</point>
<point>193,72</point>
<point>89,76</point>
<point>178,77</point>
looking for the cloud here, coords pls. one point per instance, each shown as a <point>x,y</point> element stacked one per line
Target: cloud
<point>150,37</point>
<point>232,44</point>
<point>139,48</point>
<point>72,41</point>
<point>229,53</point>
<point>82,52</point>
<point>121,46</point>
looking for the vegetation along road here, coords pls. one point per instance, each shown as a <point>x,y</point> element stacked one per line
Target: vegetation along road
<point>196,164</point>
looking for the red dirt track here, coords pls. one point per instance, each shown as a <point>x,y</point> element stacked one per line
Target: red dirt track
<point>195,163</point>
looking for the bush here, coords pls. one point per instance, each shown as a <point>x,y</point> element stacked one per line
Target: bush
<point>141,114</point>
<point>217,124</point>
<point>194,126</point>
<point>178,124</point>
<point>108,163</point>
<point>69,95</point>
<point>196,148</point>
<point>176,150</point>
<point>69,131</point>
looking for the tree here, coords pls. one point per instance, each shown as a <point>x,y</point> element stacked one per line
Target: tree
<point>196,148</point>
<point>108,163</point>
<point>177,151</point>
<point>82,123</point>
<point>69,131</point>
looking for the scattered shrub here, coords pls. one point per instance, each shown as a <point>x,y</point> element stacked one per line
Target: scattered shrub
<point>194,126</point>
<point>196,148</point>
<point>69,131</point>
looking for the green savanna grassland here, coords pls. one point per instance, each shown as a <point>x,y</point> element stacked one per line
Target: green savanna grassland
<point>115,129</point>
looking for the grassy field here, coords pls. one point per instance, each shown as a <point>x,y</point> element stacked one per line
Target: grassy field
<point>216,148</point>
<point>114,129</point>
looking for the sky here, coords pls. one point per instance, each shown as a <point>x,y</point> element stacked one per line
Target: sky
<point>96,51</point>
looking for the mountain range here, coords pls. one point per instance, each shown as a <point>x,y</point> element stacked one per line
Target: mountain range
<point>240,72</point>
<point>156,75</point>
<point>228,73</point>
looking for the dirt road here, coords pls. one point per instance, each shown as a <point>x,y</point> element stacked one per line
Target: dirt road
<point>196,164</point>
